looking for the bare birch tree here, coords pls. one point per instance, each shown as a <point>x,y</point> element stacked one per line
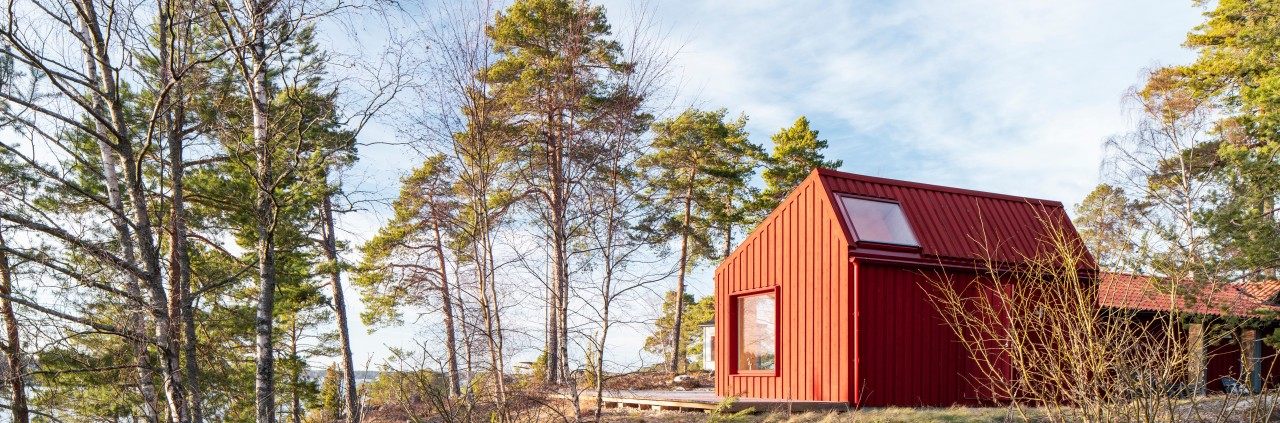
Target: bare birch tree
<point>91,99</point>
<point>463,125</point>
<point>1164,163</point>
<point>620,257</point>
<point>1038,338</point>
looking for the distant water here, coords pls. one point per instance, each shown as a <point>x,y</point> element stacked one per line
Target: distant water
<point>362,376</point>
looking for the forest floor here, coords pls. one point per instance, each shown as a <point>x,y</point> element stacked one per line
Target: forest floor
<point>537,407</point>
<point>534,405</point>
<point>885,415</point>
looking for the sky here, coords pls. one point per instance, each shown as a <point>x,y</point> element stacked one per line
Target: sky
<point>1014,97</point>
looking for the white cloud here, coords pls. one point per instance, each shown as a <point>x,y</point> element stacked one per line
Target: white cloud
<point>1005,96</point>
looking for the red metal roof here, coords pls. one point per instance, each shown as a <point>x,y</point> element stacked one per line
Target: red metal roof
<point>955,223</point>
<point>1146,293</point>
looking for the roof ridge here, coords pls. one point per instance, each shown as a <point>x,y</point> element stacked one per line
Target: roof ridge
<point>934,187</point>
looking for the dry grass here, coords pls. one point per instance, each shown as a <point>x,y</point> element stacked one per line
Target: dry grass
<point>1212,408</point>
<point>650,380</point>
<point>878,415</point>
<point>900,414</point>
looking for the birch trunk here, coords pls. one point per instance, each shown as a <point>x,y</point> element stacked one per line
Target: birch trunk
<point>265,249</point>
<point>490,312</point>
<point>555,358</point>
<point>173,386</point>
<point>264,216</point>
<point>497,335</point>
<point>606,286</point>
<point>145,369</point>
<point>137,319</point>
<point>469,356</point>
<point>145,236</point>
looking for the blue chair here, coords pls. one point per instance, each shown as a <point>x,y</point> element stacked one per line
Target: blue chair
<point>1232,386</point>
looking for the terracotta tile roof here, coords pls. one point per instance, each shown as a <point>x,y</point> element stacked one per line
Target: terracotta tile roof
<point>1136,292</point>
<point>1263,291</point>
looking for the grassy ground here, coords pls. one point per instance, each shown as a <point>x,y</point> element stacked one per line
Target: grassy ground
<point>1214,408</point>
<point>885,415</point>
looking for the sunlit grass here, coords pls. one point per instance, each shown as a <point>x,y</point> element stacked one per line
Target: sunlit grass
<point>876,415</point>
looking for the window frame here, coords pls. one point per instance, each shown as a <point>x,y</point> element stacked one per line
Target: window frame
<point>735,342</point>
<point>853,229</point>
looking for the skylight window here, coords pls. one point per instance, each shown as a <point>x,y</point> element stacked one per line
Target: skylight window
<point>878,221</point>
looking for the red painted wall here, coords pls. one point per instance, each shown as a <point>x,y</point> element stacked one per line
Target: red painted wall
<point>799,249</point>
<point>895,350</point>
<point>1223,360</point>
<point>1270,363</point>
<point>907,354</point>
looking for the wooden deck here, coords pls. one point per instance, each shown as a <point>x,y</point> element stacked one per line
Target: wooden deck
<point>699,401</point>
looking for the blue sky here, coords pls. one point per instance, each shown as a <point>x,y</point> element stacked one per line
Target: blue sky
<point>1007,96</point>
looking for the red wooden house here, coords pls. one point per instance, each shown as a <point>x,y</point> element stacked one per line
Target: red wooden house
<point>1241,354</point>
<point>825,300</point>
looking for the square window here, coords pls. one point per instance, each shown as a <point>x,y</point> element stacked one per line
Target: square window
<point>878,221</point>
<point>757,332</point>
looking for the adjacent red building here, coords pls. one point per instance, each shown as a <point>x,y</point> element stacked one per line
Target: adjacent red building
<point>1239,354</point>
<point>825,300</point>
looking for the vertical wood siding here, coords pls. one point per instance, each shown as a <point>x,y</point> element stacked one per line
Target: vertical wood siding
<point>1223,360</point>
<point>799,249</point>
<point>896,349</point>
<point>1270,363</point>
<point>907,355</point>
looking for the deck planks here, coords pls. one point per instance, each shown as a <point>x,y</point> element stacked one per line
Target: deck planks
<point>700,401</point>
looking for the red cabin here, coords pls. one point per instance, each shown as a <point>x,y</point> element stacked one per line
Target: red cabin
<point>1237,352</point>
<point>825,300</point>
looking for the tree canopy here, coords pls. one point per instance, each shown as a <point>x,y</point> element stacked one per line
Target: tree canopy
<point>797,150</point>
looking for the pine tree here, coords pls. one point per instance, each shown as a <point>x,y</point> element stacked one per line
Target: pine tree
<point>688,173</point>
<point>797,150</point>
<point>697,312</point>
<point>557,75</point>
<point>1107,223</point>
<point>1235,75</point>
<point>406,262</point>
<point>733,192</point>
<point>329,405</point>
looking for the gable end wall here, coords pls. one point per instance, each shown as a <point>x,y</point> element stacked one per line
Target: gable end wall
<point>801,249</point>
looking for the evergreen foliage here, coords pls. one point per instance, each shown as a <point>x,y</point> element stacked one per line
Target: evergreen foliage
<point>797,150</point>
